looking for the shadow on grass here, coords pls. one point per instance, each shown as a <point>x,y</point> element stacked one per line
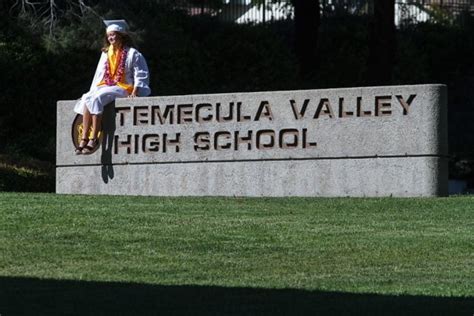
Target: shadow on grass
<point>30,296</point>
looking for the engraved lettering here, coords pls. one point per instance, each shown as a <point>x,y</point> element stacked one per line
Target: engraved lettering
<point>238,140</point>
<point>269,135</point>
<point>156,113</point>
<point>361,113</point>
<point>199,117</point>
<point>325,108</point>
<point>306,142</point>
<point>185,113</point>
<point>406,104</point>
<point>229,117</point>
<point>176,142</point>
<point>121,114</point>
<point>343,113</point>
<point>140,115</point>
<point>150,143</point>
<point>299,114</point>
<point>285,138</point>
<point>383,105</point>
<point>137,137</point>
<point>264,110</point>
<point>222,140</point>
<point>241,118</point>
<point>202,141</point>
<point>123,144</point>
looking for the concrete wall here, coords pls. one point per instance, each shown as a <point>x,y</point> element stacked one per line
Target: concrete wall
<point>374,141</point>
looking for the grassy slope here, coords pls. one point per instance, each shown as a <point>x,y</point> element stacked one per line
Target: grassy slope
<point>385,246</point>
<point>25,174</point>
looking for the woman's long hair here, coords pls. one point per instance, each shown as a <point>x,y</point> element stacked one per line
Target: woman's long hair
<point>123,38</point>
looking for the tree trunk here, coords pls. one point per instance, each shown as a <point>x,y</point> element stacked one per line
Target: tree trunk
<point>307,20</point>
<point>382,43</point>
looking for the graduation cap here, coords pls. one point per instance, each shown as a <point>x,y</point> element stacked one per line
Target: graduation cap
<point>116,26</point>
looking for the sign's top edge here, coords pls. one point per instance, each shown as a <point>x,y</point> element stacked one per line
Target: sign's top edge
<point>417,86</point>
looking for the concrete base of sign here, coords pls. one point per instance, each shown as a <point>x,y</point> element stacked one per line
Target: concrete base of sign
<point>360,177</point>
<point>392,142</point>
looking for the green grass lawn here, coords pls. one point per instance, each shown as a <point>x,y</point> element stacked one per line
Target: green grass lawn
<point>337,249</point>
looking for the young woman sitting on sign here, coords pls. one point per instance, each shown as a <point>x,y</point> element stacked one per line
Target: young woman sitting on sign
<point>121,72</point>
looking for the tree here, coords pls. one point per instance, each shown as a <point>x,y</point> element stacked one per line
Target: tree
<point>382,43</point>
<point>44,15</point>
<point>307,21</point>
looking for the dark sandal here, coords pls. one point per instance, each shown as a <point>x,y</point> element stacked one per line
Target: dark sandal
<point>91,146</point>
<point>81,147</point>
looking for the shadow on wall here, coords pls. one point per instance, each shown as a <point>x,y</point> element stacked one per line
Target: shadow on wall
<point>30,296</point>
<point>108,129</point>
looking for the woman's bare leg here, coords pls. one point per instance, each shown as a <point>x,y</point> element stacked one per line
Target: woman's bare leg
<point>96,120</point>
<point>96,125</point>
<point>86,123</point>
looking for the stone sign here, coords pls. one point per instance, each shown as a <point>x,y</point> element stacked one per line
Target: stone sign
<point>372,141</point>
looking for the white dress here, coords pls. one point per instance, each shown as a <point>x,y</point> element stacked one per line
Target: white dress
<point>136,74</point>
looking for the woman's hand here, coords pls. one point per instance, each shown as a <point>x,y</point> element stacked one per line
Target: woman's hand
<point>134,93</point>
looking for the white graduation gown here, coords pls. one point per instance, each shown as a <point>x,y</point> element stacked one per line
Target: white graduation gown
<point>136,74</point>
